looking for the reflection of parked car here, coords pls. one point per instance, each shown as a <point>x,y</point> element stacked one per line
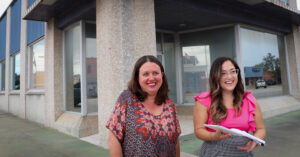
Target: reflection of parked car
<point>260,83</point>
<point>270,82</point>
<point>77,95</point>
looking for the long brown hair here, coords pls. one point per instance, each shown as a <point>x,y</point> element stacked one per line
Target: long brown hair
<point>217,108</point>
<point>135,88</point>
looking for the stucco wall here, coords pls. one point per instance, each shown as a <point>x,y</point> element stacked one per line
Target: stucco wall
<point>35,108</point>
<point>2,102</point>
<point>14,104</point>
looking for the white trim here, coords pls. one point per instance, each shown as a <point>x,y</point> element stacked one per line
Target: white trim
<point>287,66</point>
<point>29,61</point>
<point>14,92</point>
<point>11,69</point>
<point>35,92</point>
<point>64,68</point>
<point>178,58</point>
<point>238,52</point>
<point>28,66</point>
<point>83,70</point>
<point>1,77</point>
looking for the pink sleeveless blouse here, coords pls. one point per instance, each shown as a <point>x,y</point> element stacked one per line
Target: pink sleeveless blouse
<point>244,122</point>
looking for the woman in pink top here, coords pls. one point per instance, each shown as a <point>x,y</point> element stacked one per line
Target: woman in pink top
<point>227,104</point>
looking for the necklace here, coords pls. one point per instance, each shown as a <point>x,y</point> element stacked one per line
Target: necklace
<point>157,117</point>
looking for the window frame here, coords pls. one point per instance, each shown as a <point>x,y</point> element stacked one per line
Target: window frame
<point>83,92</point>
<point>29,70</point>
<point>1,77</point>
<point>11,85</point>
<point>258,29</point>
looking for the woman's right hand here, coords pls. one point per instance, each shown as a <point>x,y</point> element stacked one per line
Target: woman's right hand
<point>218,135</point>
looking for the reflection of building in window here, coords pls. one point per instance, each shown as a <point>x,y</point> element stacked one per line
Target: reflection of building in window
<point>187,59</point>
<point>91,64</point>
<point>252,74</point>
<point>196,79</point>
<point>196,63</point>
<point>91,76</point>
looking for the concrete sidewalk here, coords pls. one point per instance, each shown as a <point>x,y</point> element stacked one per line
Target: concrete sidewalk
<point>282,140</point>
<point>21,138</point>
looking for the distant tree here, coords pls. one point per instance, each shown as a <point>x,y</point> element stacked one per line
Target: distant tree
<point>259,65</point>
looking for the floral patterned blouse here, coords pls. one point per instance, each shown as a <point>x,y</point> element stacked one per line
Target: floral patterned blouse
<point>141,133</point>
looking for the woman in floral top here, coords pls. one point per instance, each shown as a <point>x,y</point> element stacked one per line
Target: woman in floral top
<point>144,121</point>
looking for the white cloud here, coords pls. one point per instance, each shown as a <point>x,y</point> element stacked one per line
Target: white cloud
<point>4,5</point>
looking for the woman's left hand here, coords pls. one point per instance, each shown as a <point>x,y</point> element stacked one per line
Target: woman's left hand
<point>249,147</point>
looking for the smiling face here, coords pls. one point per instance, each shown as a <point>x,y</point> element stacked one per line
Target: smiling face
<point>150,78</point>
<point>229,77</point>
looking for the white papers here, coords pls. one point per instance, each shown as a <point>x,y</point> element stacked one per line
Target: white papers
<point>236,132</point>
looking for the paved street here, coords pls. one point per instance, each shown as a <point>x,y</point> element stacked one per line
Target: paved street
<point>21,138</point>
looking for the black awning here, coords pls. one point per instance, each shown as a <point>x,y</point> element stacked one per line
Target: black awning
<point>40,10</point>
<point>204,13</point>
<point>65,12</point>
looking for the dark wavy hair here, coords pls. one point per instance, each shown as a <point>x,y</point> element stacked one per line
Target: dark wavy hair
<point>134,85</point>
<point>218,109</point>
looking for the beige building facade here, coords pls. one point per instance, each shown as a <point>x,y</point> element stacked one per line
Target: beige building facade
<point>71,76</point>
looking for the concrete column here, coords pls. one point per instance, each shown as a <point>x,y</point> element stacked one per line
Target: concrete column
<point>125,32</point>
<point>7,59</point>
<point>53,73</point>
<point>293,47</point>
<point>23,62</point>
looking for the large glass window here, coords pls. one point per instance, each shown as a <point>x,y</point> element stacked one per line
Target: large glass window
<point>199,50</point>
<point>264,62</point>
<point>91,67</point>
<point>73,69</point>
<point>15,71</point>
<point>166,54</point>
<point>36,64</point>
<point>2,75</point>
<point>196,65</point>
<point>81,68</point>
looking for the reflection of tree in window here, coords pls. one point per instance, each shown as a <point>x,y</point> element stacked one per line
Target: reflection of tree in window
<point>271,66</point>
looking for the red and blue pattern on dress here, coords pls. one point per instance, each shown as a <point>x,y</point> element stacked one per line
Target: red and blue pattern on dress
<point>141,133</point>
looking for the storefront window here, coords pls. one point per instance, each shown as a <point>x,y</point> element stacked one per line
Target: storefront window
<point>165,47</point>
<point>199,50</point>
<point>36,64</point>
<point>91,68</point>
<point>264,61</point>
<point>81,90</point>
<point>73,69</point>
<point>15,71</point>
